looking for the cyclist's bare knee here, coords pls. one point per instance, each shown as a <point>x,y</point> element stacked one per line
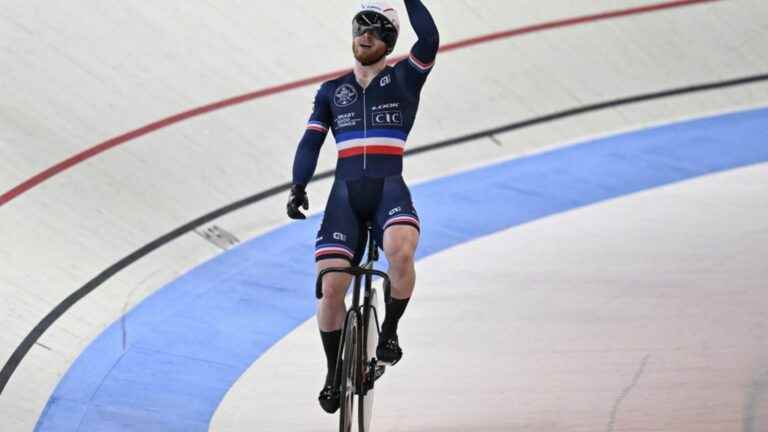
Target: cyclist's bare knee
<point>400,243</point>
<point>334,284</point>
<point>335,288</point>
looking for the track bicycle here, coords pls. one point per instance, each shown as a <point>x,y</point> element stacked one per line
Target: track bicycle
<point>357,368</point>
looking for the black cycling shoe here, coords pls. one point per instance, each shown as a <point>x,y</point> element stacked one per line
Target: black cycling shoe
<point>329,399</point>
<point>389,350</point>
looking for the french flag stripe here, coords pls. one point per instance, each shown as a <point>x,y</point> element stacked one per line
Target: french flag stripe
<point>391,142</point>
<point>371,133</point>
<point>333,250</point>
<point>419,64</point>
<point>372,150</point>
<point>317,126</point>
<point>409,219</point>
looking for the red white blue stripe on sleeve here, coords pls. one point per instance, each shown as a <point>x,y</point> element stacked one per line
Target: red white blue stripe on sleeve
<point>317,126</point>
<point>420,65</point>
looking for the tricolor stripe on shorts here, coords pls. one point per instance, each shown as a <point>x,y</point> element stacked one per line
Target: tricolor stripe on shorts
<point>403,220</point>
<point>317,126</point>
<point>333,249</point>
<point>420,65</point>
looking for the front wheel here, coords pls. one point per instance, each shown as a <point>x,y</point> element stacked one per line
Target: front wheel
<point>368,352</point>
<point>349,372</point>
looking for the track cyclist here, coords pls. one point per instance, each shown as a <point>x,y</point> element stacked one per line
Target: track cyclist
<point>370,111</point>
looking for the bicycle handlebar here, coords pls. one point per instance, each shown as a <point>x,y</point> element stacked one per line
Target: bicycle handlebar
<point>357,272</point>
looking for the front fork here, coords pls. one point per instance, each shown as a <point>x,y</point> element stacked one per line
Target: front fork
<point>374,370</point>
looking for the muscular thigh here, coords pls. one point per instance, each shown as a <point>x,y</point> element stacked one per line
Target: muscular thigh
<point>340,236</point>
<point>396,217</point>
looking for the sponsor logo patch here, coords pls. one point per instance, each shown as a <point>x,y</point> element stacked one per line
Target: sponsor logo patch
<point>386,106</point>
<point>349,119</point>
<point>345,95</point>
<point>387,118</point>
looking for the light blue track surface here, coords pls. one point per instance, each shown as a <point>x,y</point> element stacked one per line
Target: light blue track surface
<point>188,343</point>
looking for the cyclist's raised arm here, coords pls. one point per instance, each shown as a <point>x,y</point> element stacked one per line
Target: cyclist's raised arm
<point>424,51</point>
<point>308,151</point>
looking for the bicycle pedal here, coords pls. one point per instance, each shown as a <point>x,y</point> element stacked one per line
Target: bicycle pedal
<point>373,373</point>
<point>379,372</point>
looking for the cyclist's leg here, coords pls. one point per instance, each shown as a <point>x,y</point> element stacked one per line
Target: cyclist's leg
<point>331,308</point>
<point>399,235</point>
<point>336,246</point>
<point>400,241</point>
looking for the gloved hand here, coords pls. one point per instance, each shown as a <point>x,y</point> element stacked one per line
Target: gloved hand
<point>297,198</point>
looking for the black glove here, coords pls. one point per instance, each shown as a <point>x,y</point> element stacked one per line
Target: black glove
<point>297,198</point>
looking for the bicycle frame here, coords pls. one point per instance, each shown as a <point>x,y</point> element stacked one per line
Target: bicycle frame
<point>363,279</point>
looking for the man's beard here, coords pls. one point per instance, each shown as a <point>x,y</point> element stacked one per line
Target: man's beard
<point>368,59</point>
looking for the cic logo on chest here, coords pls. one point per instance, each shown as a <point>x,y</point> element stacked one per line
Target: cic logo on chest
<point>387,118</point>
<point>387,114</point>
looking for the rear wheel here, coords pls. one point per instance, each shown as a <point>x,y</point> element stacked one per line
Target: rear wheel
<point>349,372</point>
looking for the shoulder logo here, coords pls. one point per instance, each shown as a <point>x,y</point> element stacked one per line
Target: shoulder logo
<point>345,95</point>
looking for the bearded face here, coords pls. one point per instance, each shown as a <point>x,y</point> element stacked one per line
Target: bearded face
<point>368,49</point>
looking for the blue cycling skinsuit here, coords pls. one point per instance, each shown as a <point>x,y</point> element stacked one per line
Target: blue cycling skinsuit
<point>371,126</point>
